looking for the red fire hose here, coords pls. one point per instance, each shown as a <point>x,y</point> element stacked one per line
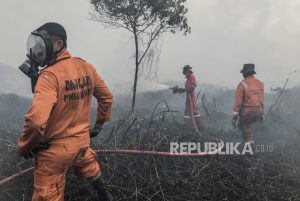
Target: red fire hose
<point>128,152</point>
<point>10,178</point>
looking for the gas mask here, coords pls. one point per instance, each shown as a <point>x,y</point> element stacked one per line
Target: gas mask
<point>39,54</point>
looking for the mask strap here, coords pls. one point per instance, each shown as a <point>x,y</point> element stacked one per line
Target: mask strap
<point>53,56</point>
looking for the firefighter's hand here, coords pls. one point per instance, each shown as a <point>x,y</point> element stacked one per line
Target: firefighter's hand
<point>28,155</point>
<point>96,130</point>
<point>176,90</point>
<point>234,120</point>
<point>39,147</point>
<point>181,90</point>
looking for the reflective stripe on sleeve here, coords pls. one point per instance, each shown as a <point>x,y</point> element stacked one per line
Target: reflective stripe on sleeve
<point>244,83</point>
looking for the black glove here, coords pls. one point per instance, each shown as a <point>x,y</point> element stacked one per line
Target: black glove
<point>181,90</point>
<point>28,155</point>
<point>96,130</point>
<point>176,90</point>
<point>39,147</point>
<point>234,120</point>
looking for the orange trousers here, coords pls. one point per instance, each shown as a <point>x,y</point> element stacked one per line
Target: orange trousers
<point>51,166</point>
<point>248,116</point>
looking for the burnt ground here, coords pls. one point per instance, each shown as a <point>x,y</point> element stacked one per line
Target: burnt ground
<point>266,175</point>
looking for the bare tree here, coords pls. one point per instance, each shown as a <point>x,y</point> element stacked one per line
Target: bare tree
<point>145,19</point>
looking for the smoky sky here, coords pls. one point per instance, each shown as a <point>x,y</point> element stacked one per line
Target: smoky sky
<point>225,35</point>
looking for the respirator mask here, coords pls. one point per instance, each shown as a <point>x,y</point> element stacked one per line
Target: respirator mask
<point>39,54</point>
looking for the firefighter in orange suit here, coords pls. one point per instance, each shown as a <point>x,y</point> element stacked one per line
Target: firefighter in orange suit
<point>57,126</point>
<point>191,107</point>
<point>249,102</point>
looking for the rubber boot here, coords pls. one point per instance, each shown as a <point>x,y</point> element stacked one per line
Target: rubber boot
<point>103,193</point>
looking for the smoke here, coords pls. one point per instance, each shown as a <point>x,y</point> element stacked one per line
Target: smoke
<point>144,86</point>
<point>151,86</point>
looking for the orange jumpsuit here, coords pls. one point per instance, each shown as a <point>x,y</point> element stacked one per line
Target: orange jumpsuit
<point>191,107</point>
<point>60,115</point>
<point>249,104</point>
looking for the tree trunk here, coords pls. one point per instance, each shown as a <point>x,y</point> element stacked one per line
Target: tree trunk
<point>136,41</point>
